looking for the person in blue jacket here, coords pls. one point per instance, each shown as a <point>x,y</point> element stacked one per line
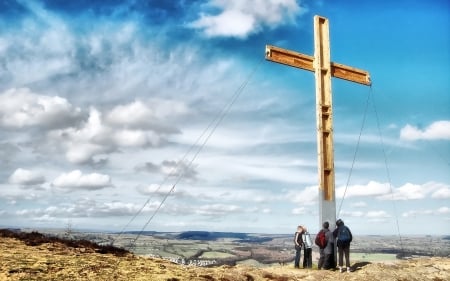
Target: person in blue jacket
<point>344,238</point>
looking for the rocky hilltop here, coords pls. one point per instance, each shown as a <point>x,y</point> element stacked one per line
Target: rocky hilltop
<point>37,257</point>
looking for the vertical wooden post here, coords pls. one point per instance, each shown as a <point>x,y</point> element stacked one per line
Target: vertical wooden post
<point>324,119</point>
<point>324,69</point>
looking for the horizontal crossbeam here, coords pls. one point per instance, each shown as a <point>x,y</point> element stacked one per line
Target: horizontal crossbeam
<point>306,62</point>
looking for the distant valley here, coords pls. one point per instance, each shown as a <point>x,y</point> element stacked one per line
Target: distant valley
<point>204,248</point>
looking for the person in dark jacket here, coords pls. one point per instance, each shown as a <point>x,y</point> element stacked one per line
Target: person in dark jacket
<point>344,238</point>
<point>298,245</point>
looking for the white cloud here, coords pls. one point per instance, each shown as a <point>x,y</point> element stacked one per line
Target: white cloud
<point>359,204</point>
<point>443,210</point>
<point>439,130</point>
<point>77,180</point>
<point>82,144</point>
<point>411,191</point>
<point>217,209</point>
<point>178,169</point>
<point>26,177</point>
<point>441,193</point>
<point>428,212</point>
<point>356,214</point>
<point>307,196</point>
<point>299,211</point>
<point>242,18</point>
<point>408,191</point>
<point>377,214</point>
<point>382,191</point>
<point>22,108</point>
<point>85,208</point>
<point>371,189</point>
<point>370,215</point>
<point>154,115</point>
<point>96,138</point>
<point>134,138</point>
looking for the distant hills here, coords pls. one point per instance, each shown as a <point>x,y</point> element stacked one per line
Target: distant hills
<point>210,236</point>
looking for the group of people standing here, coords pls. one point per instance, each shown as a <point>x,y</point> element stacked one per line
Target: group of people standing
<point>326,240</point>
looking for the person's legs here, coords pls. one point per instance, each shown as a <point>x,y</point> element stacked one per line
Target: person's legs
<point>305,257</point>
<point>329,261</point>
<point>326,264</point>
<point>308,258</point>
<point>340,254</point>
<point>332,259</point>
<point>347,257</point>
<point>297,257</point>
<point>320,264</point>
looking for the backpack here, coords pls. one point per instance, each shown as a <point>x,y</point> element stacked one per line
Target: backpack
<point>344,235</point>
<point>321,240</point>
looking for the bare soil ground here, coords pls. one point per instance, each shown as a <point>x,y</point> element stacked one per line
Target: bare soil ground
<point>37,257</point>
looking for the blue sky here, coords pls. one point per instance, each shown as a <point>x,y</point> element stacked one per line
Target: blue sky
<point>101,101</point>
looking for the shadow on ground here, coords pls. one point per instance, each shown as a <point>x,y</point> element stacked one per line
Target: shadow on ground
<point>360,265</point>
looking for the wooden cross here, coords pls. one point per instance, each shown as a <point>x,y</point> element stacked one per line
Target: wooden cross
<point>323,68</point>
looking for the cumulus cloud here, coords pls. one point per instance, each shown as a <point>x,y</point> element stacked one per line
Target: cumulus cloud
<point>159,190</point>
<point>411,191</point>
<point>383,191</point>
<point>377,214</point>
<point>171,168</point>
<point>408,191</point>
<point>85,208</point>
<point>356,214</point>
<point>441,193</point>
<point>95,137</point>
<point>154,115</point>
<point>77,180</point>
<point>439,130</point>
<point>241,18</point>
<point>370,215</point>
<point>21,108</point>
<point>26,177</point>
<point>299,211</point>
<point>178,169</point>
<point>427,212</point>
<point>371,189</point>
<point>359,204</point>
<point>217,209</point>
<point>307,196</point>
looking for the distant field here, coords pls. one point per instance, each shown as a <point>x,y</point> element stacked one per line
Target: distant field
<point>261,250</point>
<point>216,255</point>
<point>371,257</point>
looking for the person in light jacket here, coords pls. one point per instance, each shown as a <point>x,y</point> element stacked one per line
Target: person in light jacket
<point>307,249</point>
